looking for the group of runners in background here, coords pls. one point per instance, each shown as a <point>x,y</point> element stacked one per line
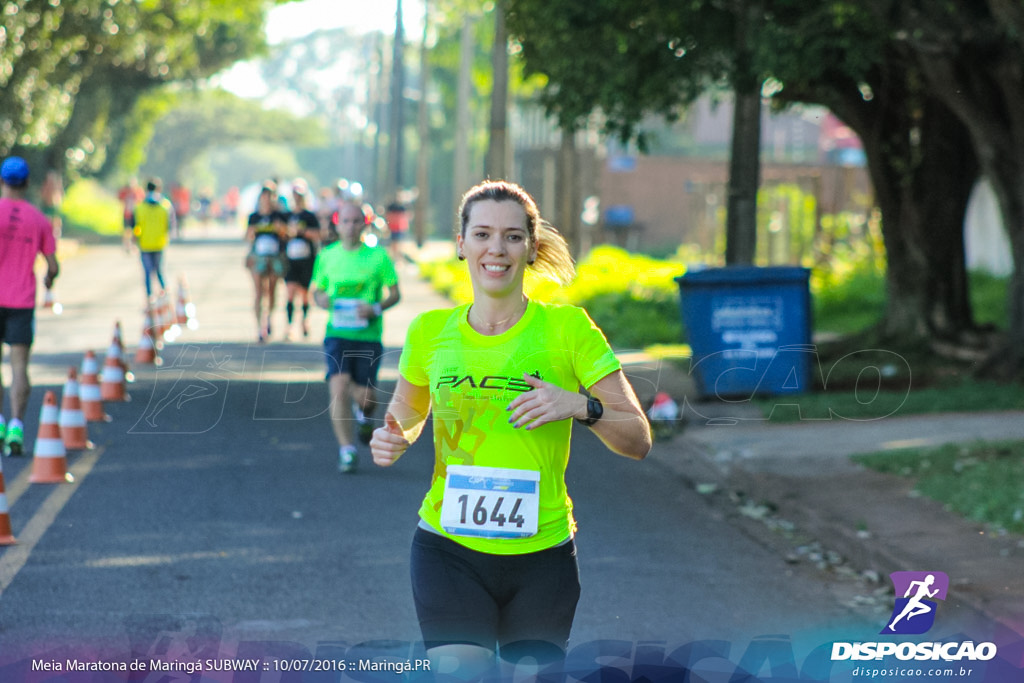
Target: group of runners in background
<point>285,233</point>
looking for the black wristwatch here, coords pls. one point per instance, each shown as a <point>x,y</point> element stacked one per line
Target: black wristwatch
<point>594,411</point>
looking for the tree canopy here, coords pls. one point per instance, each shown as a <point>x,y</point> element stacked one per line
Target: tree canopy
<point>70,71</point>
<point>929,87</point>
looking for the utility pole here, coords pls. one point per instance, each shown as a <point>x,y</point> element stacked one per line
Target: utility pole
<point>462,118</point>
<point>422,208</point>
<point>397,117</point>
<point>496,165</point>
<point>377,115</point>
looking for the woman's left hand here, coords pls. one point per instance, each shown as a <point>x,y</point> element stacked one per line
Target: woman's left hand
<point>546,403</point>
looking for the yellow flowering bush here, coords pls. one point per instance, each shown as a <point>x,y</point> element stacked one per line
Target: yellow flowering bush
<point>632,297</point>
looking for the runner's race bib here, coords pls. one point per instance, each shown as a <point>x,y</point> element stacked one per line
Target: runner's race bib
<point>345,315</point>
<point>297,250</point>
<point>490,502</point>
<point>266,245</point>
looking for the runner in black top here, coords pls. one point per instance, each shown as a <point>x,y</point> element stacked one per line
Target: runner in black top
<point>300,254</point>
<point>265,260</point>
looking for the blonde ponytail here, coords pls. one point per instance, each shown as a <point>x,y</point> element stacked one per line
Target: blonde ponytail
<point>554,260</point>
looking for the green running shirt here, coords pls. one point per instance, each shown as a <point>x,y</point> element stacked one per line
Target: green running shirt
<point>472,379</point>
<point>357,275</point>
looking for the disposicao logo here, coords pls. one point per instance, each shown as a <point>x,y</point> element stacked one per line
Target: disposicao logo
<point>914,613</point>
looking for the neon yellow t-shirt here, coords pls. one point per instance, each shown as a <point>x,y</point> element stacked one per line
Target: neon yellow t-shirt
<point>350,277</point>
<point>152,221</point>
<point>472,379</point>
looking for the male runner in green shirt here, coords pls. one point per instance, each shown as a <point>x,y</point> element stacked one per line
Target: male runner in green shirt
<point>350,280</point>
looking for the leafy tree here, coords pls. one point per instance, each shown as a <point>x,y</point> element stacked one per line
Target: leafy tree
<point>920,158</point>
<point>970,55</point>
<point>644,57</point>
<point>212,119</point>
<point>70,71</point>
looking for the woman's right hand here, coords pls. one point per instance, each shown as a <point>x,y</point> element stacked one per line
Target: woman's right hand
<point>388,442</point>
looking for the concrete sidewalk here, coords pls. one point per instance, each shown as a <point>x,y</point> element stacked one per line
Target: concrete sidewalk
<point>802,471</point>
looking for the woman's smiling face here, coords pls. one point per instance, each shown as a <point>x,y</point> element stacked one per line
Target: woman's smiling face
<point>497,246</point>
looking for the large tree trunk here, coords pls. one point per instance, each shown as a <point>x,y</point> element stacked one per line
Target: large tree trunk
<point>972,64</point>
<point>922,184</point>
<point>997,132</point>
<point>745,151</point>
<point>923,218</point>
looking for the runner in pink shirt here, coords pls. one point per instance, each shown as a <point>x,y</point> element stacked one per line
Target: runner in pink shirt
<point>24,234</point>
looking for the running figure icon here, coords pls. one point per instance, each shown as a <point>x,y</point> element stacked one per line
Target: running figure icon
<point>920,590</point>
<point>914,606</point>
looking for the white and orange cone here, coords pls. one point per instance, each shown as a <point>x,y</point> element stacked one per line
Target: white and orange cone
<point>89,390</point>
<point>162,317</point>
<point>180,310</point>
<point>186,313</point>
<point>6,534</point>
<point>49,457</point>
<point>116,350</point>
<point>112,379</point>
<point>145,353</point>
<point>74,430</point>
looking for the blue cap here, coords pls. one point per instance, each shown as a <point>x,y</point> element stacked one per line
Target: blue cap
<point>14,171</point>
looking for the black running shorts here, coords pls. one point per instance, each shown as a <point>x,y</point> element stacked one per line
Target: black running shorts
<point>360,360</point>
<point>17,326</point>
<point>524,604</point>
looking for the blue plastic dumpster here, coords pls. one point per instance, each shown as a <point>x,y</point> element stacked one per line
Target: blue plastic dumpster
<point>749,330</point>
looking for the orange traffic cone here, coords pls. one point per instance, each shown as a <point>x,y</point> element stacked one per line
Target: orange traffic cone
<point>89,390</point>
<point>117,351</point>
<point>146,352</point>
<point>73,427</point>
<point>6,535</point>
<point>180,311</point>
<point>185,296</point>
<point>112,380</point>
<point>162,316</point>
<point>186,312</point>
<point>49,457</point>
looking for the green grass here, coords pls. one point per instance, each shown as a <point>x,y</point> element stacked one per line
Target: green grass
<point>868,403</point>
<point>847,304</point>
<point>91,212</point>
<point>855,301</point>
<point>983,482</point>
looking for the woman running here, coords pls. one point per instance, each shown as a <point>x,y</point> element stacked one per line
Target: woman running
<point>266,236</point>
<point>494,561</point>
<point>300,255</point>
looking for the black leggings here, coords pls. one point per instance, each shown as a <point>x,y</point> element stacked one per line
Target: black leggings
<point>524,604</point>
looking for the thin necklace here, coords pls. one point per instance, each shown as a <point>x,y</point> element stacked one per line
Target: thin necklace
<point>491,326</point>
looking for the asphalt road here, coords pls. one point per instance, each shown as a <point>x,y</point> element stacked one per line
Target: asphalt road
<point>211,514</point>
